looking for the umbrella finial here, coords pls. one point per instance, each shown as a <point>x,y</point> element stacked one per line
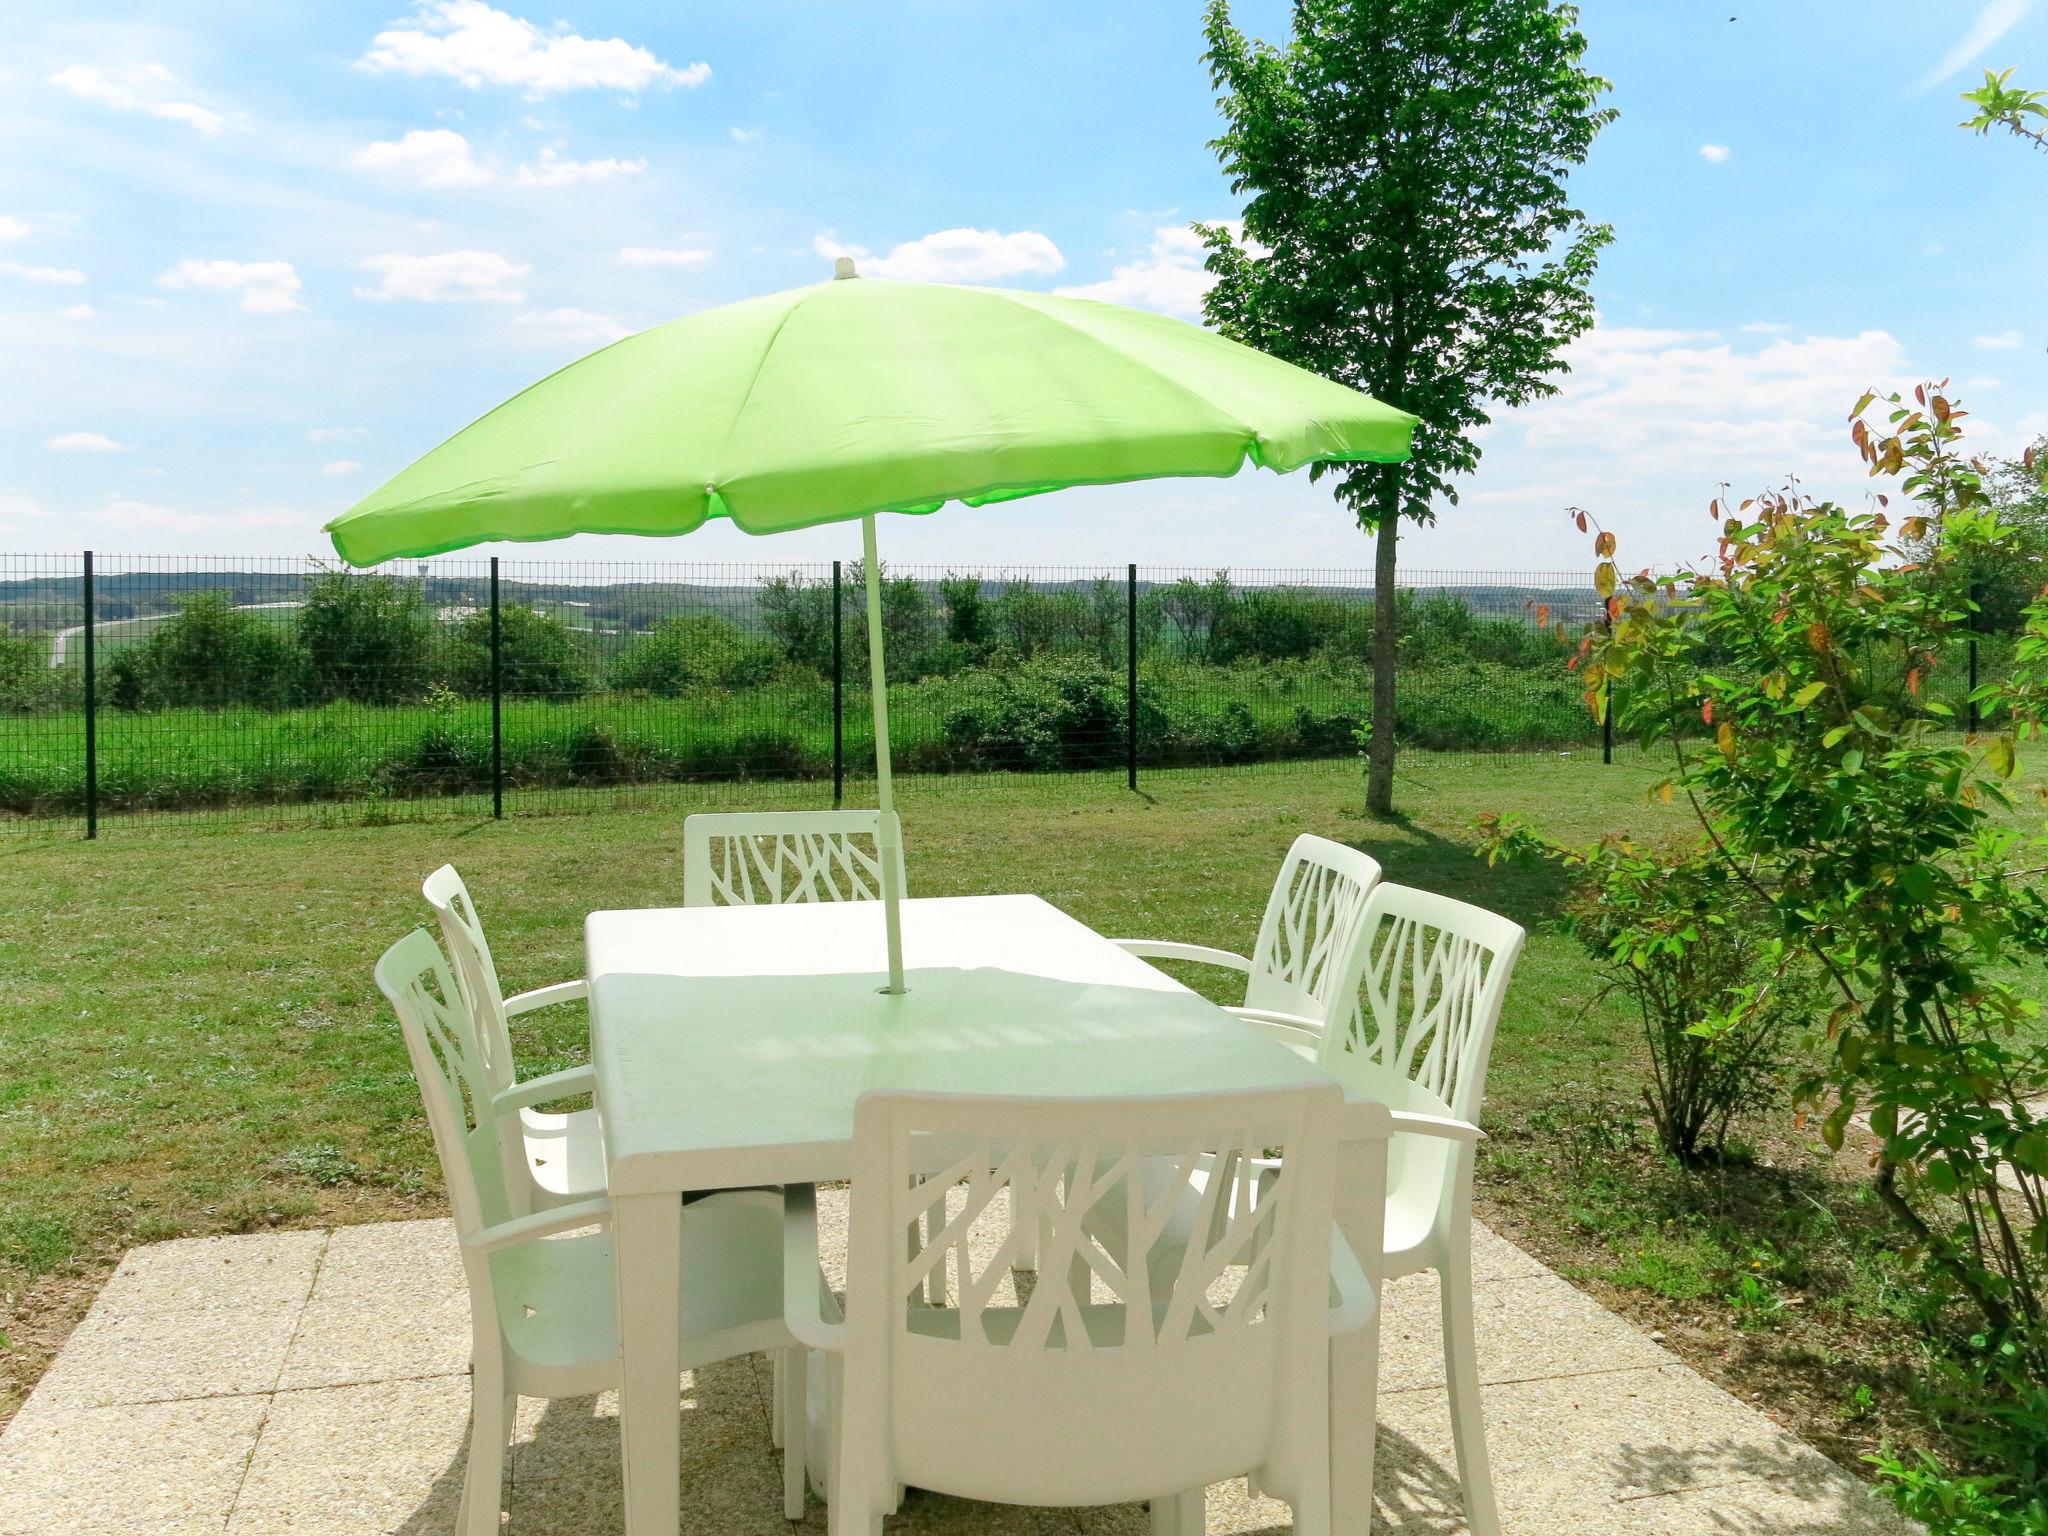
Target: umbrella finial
<point>842,269</point>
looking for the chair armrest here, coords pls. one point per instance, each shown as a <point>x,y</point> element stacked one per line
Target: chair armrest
<point>1434,1125</point>
<point>1356,1301</point>
<point>805,1301</point>
<point>525,1229</point>
<point>547,997</point>
<point>538,1090</point>
<point>1162,949</point>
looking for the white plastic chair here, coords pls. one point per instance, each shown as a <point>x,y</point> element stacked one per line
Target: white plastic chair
<point>550,1159</point>
<point>736,859</point>
<point>1120,1378</point>
<point>1293,977</point>
<point>542,1318</point>
<point>1434,972</point>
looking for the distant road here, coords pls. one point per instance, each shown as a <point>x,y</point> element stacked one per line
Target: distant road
<point>60,642</point>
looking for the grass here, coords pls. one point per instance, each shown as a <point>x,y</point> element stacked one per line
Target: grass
<point>190,1043</point>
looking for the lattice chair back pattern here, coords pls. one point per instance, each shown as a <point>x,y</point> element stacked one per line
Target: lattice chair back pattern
<point>743,858</point>
<point>1142,1370</point>
<point>462,931</point>
<point>1435,971</point>
<point>1307,937</point>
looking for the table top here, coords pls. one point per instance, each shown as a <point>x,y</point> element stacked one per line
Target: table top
<point>730,1043</point>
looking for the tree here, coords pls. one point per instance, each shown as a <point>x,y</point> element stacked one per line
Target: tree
<point>367,638</point>
<point>538,655</point>
<point>1408,232</point>
<point>211,655</point>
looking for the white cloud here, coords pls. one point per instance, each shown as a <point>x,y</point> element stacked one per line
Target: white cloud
<point>1993,22</point>
<point>145,88</point>
<point>266,287</point>
<point>332,434</point>
<point>955,256</point>
<point>1766,328</point>
<point>11,228</point>
<point>551,170</point>
<point>664,256</point>
<point>450,277</point>
<point>66,275</point>
<point>2004,341</point>
<point>470,41</point>
<point>76,312</point>
<point>1169,278</point>
<point>340,467</point>
<point>433,157</point>
<point>1980,384</point>
<point>84,442</point>
<point>575,326</point>
<point>744,135</point>
<point>1716,153</point>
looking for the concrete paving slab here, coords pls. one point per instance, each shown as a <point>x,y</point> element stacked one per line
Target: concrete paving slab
<point>140,1356</point>
<point>387,1457</point>
<point>1527,1329</point>
<point>1644,1447</point>
<point>413,1258</point>
<point>378,1335</point>
<point>171,1469</point>
<point>261,1272</point>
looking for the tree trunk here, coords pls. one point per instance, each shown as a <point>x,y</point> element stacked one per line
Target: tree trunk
<point>1386,639</point>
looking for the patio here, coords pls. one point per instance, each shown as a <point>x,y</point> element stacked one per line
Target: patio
<point>316,1382</point>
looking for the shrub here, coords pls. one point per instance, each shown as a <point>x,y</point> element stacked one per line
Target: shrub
<point>366,638</point>
<point>698,651</point>
<point>210,655</point>
<point>540,656</point>
<point>1056,713</point>
<point>29,685</point>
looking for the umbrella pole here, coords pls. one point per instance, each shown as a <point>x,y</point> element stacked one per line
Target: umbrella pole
<point>888,841</point>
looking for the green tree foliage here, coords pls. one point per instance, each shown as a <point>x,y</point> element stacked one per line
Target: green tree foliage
<point>797,613</point>
<point>212,655</point>
<point>2001,104</point>
<point>366,638</point>
<point>695,652</point>
<point>28,683</point>
<point>540,655</point>
<point>1408,231</point>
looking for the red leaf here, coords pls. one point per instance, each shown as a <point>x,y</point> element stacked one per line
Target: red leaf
<point>1707,713</point>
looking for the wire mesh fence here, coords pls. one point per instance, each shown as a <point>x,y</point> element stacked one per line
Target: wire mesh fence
<point>282,689</point>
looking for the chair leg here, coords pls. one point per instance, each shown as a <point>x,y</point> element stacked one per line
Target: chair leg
<point>778,1397</point>
<point>1461,1371</point>
<point>1181,1514</point>
<point>1024,1219</point>
<point>483,1479</point>
<point>791,1399</point>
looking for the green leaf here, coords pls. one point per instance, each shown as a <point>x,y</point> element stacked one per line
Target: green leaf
<point>1808,694</point>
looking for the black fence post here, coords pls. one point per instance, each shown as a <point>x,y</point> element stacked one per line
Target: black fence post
<point>1131,675</point>
<point>1974,719</point>
<point>838,695</point>
<point>497,703</point>
<point>92,732</point>
<point>1607,704</point>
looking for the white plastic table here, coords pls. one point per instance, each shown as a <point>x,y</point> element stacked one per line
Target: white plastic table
<point>730,1044</point>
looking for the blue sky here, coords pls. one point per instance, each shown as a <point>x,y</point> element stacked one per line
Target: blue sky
<point>255,257</point>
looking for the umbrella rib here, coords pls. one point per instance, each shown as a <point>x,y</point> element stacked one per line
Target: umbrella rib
<point>760,367</point>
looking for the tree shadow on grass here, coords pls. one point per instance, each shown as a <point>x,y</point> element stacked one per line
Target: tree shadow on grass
<point>1531,892</point>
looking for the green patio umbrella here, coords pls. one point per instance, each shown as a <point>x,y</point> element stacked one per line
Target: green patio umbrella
<point>845,399</point>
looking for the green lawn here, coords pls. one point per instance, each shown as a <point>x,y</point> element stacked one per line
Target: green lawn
<point>190,1041</point>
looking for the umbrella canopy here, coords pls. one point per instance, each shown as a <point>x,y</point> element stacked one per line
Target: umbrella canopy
<point>847,399</point>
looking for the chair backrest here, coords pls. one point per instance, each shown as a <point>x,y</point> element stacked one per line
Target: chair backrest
<point>463,932</point>
<point>442,1045</point>
<point>1433,971</point>
<point>741,858</point>
<point>1308,937</point>
<point>1125,1374</point>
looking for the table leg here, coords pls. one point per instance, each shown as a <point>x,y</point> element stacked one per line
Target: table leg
<point>646,1255</point>
<point>1355,1357</point>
